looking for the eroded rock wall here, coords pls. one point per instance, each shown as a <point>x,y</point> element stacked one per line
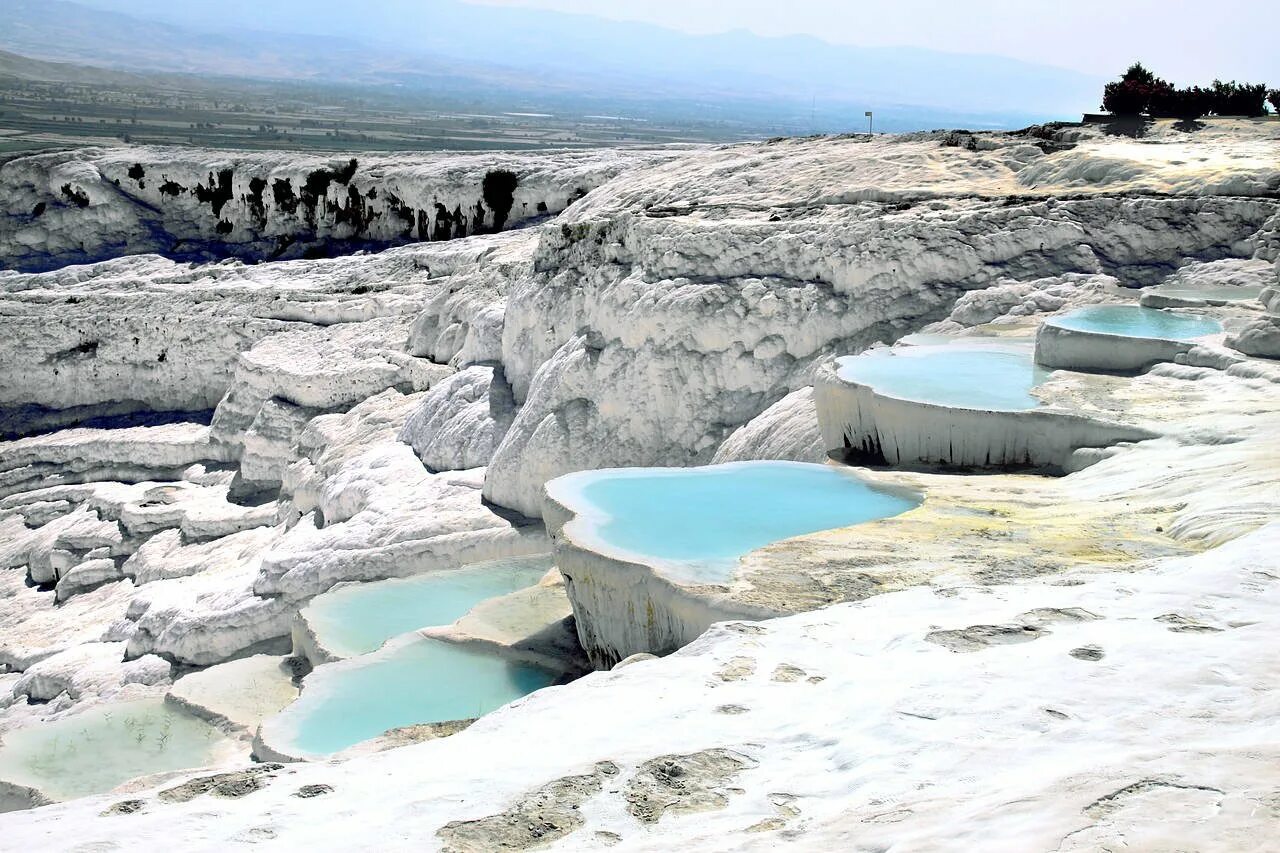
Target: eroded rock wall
<point>92,204</point>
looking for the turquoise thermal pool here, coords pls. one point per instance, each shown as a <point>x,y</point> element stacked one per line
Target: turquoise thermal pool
<point>409,682</point>
<point>957,375</point>
<point>1134,321</point>
<point>99,749</point>
<point>698,521</point>
<point>356,620</point>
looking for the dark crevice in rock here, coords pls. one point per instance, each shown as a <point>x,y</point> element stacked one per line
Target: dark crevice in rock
<point>21,421</point>
<point>499,189</point>
<point>285,199</point>
<point>218,192</point>
<point>80,352</point>
<point>75,195</point>
<point>257,204</point>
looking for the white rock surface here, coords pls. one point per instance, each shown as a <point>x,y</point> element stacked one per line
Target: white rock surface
<point>370,510</point>
<point>167,555</point>
<point>71,333</point>
<point>1063,347</point>
<point>459,424</point>
<point>1047,723</point>
<point>236,696</point>
<point>1261,338</point>
<point>34,629</point>
<point>787,430</point>
<point>207,618</point>
<point>86,576</point>
<point>95,670</point>
<point>1013,301</point>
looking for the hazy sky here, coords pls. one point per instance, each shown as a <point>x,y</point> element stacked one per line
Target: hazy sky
<point>1186,41</point>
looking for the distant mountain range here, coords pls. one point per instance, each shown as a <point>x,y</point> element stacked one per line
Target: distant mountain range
<point>550,59</point>
<point>18,67</point>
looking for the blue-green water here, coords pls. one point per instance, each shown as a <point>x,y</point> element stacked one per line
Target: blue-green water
<point>99,749</point>
<point>1134,321</point>
<point>708,517</point>
<point>994,378</point>
<point>417,681</point>
<point>356,620</point>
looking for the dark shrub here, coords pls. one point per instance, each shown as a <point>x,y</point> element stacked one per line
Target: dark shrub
<point>1274,98</point>
<point>1131,95</point>
<point>1238,99</point>
<point>1125,99</point>
<point>1187,104</point>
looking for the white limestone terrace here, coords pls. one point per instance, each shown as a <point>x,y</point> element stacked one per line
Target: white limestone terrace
<point>650,555</point>
<point>85,339</point>
<point>92,204</point>
<point>1228,282</point>
<point>392,414</point>
<point>677,302</point>
<point>989,528</point>
<point>952,717</point>
<point>1123,338</point>
<point>965,404</point>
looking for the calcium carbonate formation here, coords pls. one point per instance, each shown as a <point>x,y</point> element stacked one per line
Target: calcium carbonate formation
<point>239,392</point>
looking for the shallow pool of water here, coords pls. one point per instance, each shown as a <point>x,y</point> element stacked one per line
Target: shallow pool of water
<point>356,620</point>
<point>1134,321</point>
<point>958,375</point>
<point>99,749</point>
<point>409,682</point>
<point>699,521</point>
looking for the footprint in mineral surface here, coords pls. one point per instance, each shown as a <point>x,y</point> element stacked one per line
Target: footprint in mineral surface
<point>1049,615</point>
<point>738,669</point>
<point>1088,653</point>
<point>787,811</point>
<point>257,835</point>
<point>125,807</point>
<point>1181,624</point>
<point>684,783</point>
<point>787,673</point>
<point>978,637</point>
<point>306,792</point>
